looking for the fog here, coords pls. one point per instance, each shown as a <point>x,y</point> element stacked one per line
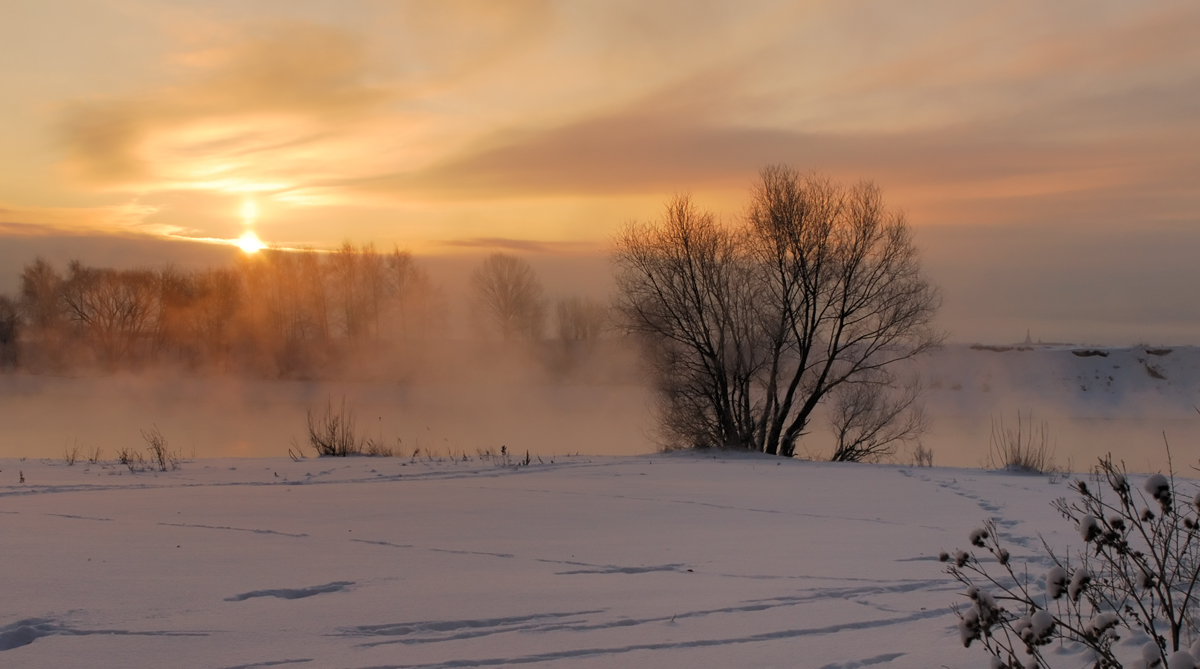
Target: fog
<point>1123,401</point>
<point>216,417</point>
<point>227,360</point>
<point>1111,285</point>
<point>452,387</point>
<point>494,401</point>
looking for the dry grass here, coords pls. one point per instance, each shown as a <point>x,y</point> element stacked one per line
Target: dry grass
<point>378,449</point>
<point>1025,448</point>
<point>71,453</point>
<point>332,433</point>
<point>921,456</point>
<point>160,455</point>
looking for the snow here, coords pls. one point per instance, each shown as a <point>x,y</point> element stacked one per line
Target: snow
<point>1158,487</point>
<point>665,560</point>
<point>1101,622</point>
<point>593,560</point>
<point>1126,401</point>
<point>1056,582</point>
<point>1089,527</point>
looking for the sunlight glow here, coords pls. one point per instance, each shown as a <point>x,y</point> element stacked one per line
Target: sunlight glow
<point>249,210</point>
<point>249,243</point>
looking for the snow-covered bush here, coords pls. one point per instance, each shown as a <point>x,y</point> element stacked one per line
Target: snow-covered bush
<point>1135,577</point>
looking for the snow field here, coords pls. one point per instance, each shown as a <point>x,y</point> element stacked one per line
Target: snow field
<point>666,560</point>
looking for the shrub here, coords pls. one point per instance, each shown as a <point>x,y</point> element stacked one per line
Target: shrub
<point>160,456</point>
<point>922,456</point>
<point>1136,573</point>
<point>869,420</point>
<point>1026,449</point>
<point>71,454</point>
<point>132,459</point>
<point>332,433</point>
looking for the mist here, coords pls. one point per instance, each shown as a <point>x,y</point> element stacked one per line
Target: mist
<point>227,360</point>
<point>444,386</point>
<point>483,406</point>
<point>1132,402</point>
<point>228,417</point>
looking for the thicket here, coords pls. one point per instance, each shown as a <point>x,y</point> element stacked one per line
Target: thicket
<point>276,313</point>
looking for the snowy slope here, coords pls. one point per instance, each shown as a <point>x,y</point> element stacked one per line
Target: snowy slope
<point>679,560</point>
<point>1094,400</point>
<point>1085,379</point>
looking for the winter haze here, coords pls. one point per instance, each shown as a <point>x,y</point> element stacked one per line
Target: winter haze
<point>227,223</point>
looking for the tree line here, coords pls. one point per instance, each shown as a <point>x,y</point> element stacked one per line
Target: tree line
<point>283,314</point>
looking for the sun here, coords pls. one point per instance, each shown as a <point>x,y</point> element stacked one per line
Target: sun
<point>249,243</point>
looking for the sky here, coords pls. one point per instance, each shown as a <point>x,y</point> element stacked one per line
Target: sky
<point>1047,155</point>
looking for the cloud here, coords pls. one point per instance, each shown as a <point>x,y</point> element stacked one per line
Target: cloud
<point>127,219</point>
<point>1066,282</point>
<point>637,152</point>
<point>104,250</point>
<point>522,245</point>
<point>289,67</point>
<point>250,116</point>
<point>964,113</point>
<point>439,44</point>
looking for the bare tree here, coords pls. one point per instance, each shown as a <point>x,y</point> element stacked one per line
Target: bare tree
<point>580,318</point>
<point>40,298</point>
<point>686,287</point>
<point>420,308</point>
<point>287,321</point>
<point>507,298</point>
<point>752,327</point>
<point>280,312</point>
<point>349,300</point>
<point>402,276</point>
<point>198,316</point>
<point>115,309</point>
<point>178,296</point>
<point>10,322</point>
<point>871,419</point>
<point>41,310</point>
<point>846,295</point>
<point>374,277</point>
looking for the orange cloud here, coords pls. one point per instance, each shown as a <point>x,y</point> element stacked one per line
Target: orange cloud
<point>521,245</point>
<point>967,114</point>
<point>256,116</point>
<point>130,218</point>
